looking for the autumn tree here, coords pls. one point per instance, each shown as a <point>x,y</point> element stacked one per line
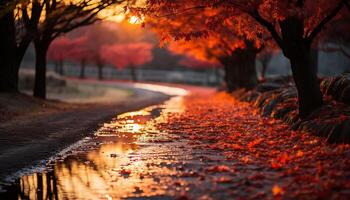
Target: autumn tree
<point>20,18</point>
<point>81,50</point>
<point>200,51</point>
<point>85,44</point>
<point>294,25</point>
<point>70,49</point>
<point>58,52</point>
<point>129,55</point>
<point>80,54</point>
<point>63,17</point>
<point>203,37</point>
<point>238,59</point>
<point>22,21</point>
<point>88,43</point>
<point>40,21</point>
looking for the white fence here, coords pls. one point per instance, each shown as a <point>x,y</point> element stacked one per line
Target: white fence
<point>200,77</point>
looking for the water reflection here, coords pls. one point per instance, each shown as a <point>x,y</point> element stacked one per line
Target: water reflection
<point>121,165</point>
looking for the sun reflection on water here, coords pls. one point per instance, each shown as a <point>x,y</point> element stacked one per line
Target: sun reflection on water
<point>120,166</point>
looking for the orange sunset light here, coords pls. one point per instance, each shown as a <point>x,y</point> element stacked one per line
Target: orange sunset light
<point>135,20</point>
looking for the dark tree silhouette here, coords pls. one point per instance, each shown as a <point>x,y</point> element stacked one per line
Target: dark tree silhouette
<point>8,78</point>
<point>62,19</point>
<point>56,18</point>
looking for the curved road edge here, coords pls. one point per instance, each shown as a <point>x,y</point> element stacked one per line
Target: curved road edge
<point>39,138</point>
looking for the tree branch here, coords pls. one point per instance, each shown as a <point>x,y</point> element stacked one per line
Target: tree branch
<point>189,9</point>
<point>269,26</point>
<point>87,17</point>
<point>323,22</point>
<point>182,11</point>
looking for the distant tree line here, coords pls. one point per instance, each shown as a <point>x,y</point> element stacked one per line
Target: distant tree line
<point>40,22</point>
<point>101,44</point>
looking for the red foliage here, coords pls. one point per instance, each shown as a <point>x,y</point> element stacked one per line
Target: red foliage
<point>248,18</point>
<point>59,49</point>
<point>72,49</point>
<point>125,55</point>
<point>293,25</point>
<point>205,35</point>
<point>229,22</point>
<point>291,164</point>
<point>90,44</point>
<point>79,51</point>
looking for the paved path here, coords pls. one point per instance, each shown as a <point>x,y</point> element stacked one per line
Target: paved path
<point>28,140</point>
<point>203,146</point>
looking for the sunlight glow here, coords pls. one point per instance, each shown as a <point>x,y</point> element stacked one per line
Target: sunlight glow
<point>112,15</point>
<point>164,89</point>
<point>135,20</point>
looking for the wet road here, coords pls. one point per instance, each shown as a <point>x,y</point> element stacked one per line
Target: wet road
<point>27,140</point>
<point>203,146</point>
<point>128,157</point>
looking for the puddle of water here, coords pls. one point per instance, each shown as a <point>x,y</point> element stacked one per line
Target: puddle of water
<point>126,158</point>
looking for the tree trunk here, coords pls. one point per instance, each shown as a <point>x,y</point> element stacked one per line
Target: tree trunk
<point>133,74</point>
<point>208,73</point>
<point>100,71</point>
<point>314,59</point>
<point>307,83</point>
<point>40,69</point>
<point>60,64</point>
<point>244,62</point>
<point>82,69</point>
<point>217,75</point>
<point>263,70</point>
<point>265,59</point>
<point>240,69</point>
<point>20,52</point>
<point>298,51</point>
<point>228,77</point>
<point>57,67</point>
<point>8,71</point>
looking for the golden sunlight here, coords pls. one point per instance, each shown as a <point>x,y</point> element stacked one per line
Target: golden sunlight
<point>135,20</point>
